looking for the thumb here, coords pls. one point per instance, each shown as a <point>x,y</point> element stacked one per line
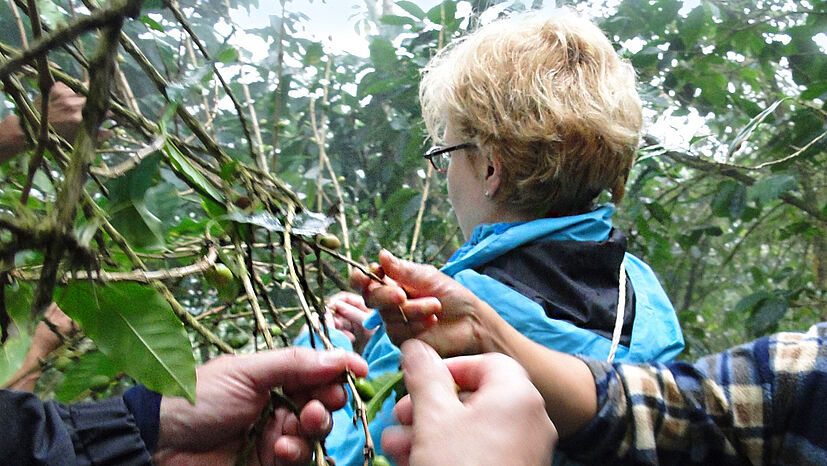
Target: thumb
<point>417,280</point>
<point>428,381</point>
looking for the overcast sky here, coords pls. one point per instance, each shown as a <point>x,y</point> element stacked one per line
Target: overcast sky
<point>330,18</point>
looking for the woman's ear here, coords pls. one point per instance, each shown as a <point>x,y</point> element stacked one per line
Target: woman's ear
<point>493,173</point>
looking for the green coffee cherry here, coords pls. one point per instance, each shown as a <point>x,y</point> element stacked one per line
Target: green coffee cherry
<point>329,241</point>
<point>99,383</point>
<point>381,461</point>
<point>219,275</point>
<point>365,388</point>
<point>238,340</point>
<point>62,363</point>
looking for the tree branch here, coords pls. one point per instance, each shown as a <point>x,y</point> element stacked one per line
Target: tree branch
<point>99,18</point>
<point>733,172</point>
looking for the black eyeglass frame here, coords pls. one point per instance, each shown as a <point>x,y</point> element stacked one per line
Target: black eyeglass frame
<point>435,151</point>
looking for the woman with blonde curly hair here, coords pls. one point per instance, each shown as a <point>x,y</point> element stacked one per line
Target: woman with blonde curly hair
<point>534,118</point>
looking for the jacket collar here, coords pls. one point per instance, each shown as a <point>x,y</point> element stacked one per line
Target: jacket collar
<point>489,241</point>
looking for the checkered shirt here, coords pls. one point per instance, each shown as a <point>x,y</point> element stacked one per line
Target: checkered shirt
<point>764,402</point>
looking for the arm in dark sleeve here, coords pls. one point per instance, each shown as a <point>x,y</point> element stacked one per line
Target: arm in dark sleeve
<point>758,403</point>
<point>49,433</point>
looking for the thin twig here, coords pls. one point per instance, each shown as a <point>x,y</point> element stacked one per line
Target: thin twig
<point>429,173</point>
<point>251,295</point>
<point>60,36</point>
<point>140,276</point>
<point>68,198</point>
<point>179,16</point>
<point>315,330</point>
<point>24,41</point>
<point>734,173</point>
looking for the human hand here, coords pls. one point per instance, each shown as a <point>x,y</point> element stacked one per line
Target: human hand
<point>502,420</point>
<point>65,110</point>
<point>65,116</point>
<point>439,311</point>
<point>44,341</point>
<point>232,391</point>
<point>348,314</point>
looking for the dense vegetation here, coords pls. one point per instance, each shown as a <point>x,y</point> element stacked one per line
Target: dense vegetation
<point>216,158</point>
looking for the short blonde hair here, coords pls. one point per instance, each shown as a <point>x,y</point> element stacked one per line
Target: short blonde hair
<point>551,97</point>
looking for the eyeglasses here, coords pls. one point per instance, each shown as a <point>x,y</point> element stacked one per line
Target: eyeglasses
<point>440,156</point>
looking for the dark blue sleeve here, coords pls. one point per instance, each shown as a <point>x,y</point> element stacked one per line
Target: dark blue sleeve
<point>49,433</point>
<point>145,406</point>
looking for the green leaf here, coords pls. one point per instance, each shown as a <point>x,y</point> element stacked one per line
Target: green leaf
<point>659,213</point>
<point>19,296</point>
<point>747,303</point>
<point>691,27</point>
<point>18,305</point>
<point>768,189</point>
<point>766,315</point>
<point>382,54</point>
<point>134,183</point>
<point>50,13</point>
<point>384,385</point>
<point>747,130</point>
<point>412,9</point>
<point>730,200</point>
<point>435,13</point>
<point>738,202</point>
<point>313,54</point>
<point>12,353</point>
<point>228,55</point>
<point>195,178</point>
<point>151,23</point>
<point>395,20</point>
<point>77,377</point>
<point>135,327</point>
<point>138,225</point>
<point>814,90</point>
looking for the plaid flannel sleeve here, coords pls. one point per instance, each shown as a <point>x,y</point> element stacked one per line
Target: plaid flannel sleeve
<point>759,403</point>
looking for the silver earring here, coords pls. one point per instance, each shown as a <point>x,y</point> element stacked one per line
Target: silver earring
<point>486,193</point>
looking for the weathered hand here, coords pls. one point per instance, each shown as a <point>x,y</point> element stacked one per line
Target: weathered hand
<point>439,311</point>
<point>44,341</point>
<point>65,110</point>
<point>501,421</point>
<point>349,313</point>
<point>230,394</point>
<point>65,116</point>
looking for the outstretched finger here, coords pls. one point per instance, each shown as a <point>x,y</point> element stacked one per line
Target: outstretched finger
<point>428,381</point>
<point>421,308</point>
<point>352,299</point>
<point>385,296</point>
<point>416,279</point>
<point>350,312</point>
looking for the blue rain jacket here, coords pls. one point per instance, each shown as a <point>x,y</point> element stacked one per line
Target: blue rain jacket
<point>655,334</point>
